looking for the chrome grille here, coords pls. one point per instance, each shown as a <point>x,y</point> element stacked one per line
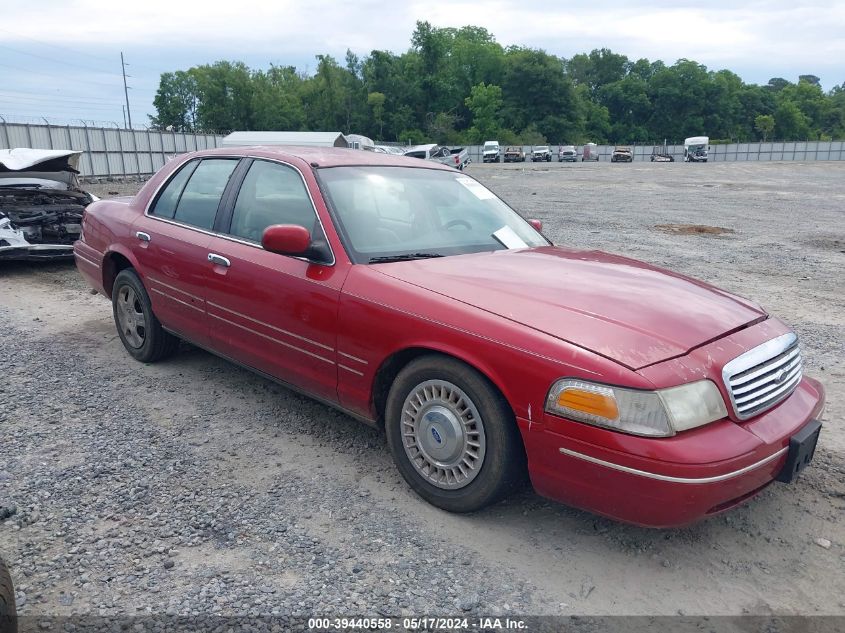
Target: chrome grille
<point>764,376</point>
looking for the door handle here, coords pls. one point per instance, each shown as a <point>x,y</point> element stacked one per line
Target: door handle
<point>214,258</point>
<point>144,237</point>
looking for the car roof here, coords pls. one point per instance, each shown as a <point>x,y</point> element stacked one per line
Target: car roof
<point>323,156</point>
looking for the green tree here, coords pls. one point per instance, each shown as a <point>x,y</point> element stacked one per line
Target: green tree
<point>459,84</point>
<point>765,124</point>
<point>536,91</point>
<point>485,103</point>
<point>224,95</point>
<point>277,99</point>
<point>790,123</point>
<point>176,102</point>
<point>376,102</point>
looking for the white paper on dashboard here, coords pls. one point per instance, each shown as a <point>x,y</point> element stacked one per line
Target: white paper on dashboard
<point>476,188</point>
<point>509,239</point>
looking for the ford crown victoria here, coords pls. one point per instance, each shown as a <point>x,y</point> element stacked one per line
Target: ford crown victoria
<point>410,296</point>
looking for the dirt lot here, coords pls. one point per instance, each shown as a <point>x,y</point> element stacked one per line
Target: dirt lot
<point>193,486</point>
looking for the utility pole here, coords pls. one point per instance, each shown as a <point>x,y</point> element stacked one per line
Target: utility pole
<point>123,107</point>
<point>125,89</point>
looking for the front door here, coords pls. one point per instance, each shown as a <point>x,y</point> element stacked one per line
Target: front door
<point>275,313</point>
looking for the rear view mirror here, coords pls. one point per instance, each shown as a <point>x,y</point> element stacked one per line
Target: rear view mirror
<point>286,239</point>
<point>537,224</point>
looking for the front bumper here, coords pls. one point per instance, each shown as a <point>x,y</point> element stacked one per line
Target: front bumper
<point>36,252</point>
<point>668,482</point>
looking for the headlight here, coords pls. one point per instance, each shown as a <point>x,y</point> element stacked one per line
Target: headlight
<point>660,413</point>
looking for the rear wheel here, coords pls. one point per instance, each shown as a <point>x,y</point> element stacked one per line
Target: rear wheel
<point>452,435</point>
<point>138,328</point>
<point>8,610</point>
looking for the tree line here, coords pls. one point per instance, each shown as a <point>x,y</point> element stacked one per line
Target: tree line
<point>458,86</point>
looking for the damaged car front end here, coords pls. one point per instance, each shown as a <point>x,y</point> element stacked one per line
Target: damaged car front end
<point>41,203</point>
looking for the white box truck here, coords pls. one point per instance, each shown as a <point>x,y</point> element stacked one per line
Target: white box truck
<point>696,149</point>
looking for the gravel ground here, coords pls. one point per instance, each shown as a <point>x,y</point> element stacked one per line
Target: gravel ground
<point>195,487</point>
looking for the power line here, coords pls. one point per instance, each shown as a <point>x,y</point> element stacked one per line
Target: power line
<point>52,76</point>
<point>58,61</point>
<point>88,81</point>
<point>40,96</point>
<point>75,51</point>
<point>61,107</point>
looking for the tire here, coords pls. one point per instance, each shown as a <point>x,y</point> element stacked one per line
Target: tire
<point>8,610</point>
<point>138,328</point>
<point>498,463</point>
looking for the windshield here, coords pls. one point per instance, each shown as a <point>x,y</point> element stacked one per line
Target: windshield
<point>390,213</point>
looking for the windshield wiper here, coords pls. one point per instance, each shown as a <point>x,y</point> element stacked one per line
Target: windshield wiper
<point>404,257</point>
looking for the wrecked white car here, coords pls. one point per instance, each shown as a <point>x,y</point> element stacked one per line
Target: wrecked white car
<point>41,204</point>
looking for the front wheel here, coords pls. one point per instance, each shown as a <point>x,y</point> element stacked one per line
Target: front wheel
<point>138,328</point>
<point>452,435</point>
<point>8,609</point>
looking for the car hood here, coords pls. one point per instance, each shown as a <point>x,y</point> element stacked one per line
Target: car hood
<point>625,310</point>
<point>26,168</point>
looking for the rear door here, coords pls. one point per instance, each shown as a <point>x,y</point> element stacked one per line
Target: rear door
<point>275,313</point>
<point>172,244</point>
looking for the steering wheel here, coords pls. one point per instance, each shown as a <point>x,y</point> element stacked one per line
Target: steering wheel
<point>463,223</point>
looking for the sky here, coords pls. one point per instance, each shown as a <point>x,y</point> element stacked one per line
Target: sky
<point>60,59</point>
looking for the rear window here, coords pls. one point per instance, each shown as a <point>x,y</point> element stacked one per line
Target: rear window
<point>165,205</point>
<point>201,196</point>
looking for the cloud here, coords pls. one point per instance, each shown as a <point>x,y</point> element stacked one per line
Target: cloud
<point>757,39</point>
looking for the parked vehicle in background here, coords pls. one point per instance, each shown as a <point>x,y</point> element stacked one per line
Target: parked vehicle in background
<point>490,152</point>
<point>541,153</point>
<point>359,141</point>
<point>661,154</point>
<point>8,609</point>
<point>696,149</point>
<point>567,153</point>
<point>390,149</point>
<point>590,152</point>
<point>416,300</point>
<point>515,154</point>
<point>41,203</point>
<point>622,154</point>
<point>457,158</point>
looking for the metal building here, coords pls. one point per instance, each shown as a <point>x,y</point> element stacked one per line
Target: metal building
<point>312,139</point>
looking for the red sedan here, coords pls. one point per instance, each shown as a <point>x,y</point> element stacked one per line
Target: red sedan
<point>410,296</point>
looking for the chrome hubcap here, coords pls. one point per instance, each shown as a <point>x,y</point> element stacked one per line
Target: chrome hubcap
<point>130,317</point>
<point>443,434</point>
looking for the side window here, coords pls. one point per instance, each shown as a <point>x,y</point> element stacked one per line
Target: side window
<point>199,200</point>
<point>165,205</point>
<point>271,194</point>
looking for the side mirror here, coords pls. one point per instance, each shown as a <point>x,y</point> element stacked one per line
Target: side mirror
<point>537,224</point>
<point>286,239</point>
